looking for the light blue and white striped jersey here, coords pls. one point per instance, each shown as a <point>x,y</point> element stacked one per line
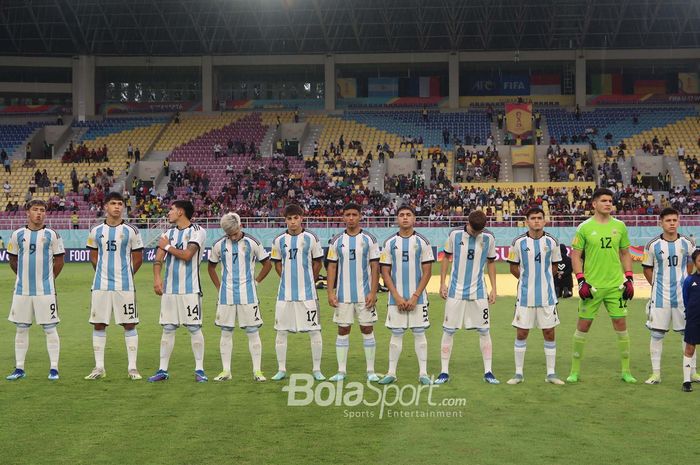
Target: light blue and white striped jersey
<point>297,254</point>
<point>406,256</point>
<point>35,251</point>
<point>535,257</point>
<point>114,244</point>
<point>669,259</point>
<point>181,276</point>
<point>353,255</point>
<point>469,256</point>
<point>238,259</point>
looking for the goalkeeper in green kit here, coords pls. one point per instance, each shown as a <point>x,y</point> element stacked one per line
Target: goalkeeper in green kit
<point>603,243</point>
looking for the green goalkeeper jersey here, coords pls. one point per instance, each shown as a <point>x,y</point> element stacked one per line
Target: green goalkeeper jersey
<point>601,244</point>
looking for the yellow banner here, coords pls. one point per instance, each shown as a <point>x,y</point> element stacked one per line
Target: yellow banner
<point>523,156</point>
<point>688,83</point>
<point>346,87</point>
<point>519,118</point>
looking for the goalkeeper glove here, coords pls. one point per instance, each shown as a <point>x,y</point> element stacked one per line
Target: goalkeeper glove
<point>628,286</point>
<point>584,289</point>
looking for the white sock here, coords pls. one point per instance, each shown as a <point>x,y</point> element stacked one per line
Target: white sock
<point>226,348</point>
<point>53,345</point>
<point>519,350</point>
<point>316,349</point>
<point>395,347</point>
<point>446,351</point>
<point>255,348</point>
<point>693,359</point>
<point>421,345</point>
<point>131,338</point>
<point>167,342</point>
<point>656,345</point>
<point>550,356</point>
<point>370,346</point>
<point>197,340</point>
<point>342,346</point>
<point>281,349</point>
<point>687,368</point>
<point>99,341</point>
<point>486,349</point>
<point>21,346</point>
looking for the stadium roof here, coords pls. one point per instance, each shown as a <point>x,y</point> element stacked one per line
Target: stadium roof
<point>259,27</point>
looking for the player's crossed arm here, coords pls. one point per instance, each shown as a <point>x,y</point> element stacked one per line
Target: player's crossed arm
<point>185,254</point>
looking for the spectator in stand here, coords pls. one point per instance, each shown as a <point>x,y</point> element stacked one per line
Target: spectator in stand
<point>137,155</point>
<point>129,151</point>
<point>75,220</point>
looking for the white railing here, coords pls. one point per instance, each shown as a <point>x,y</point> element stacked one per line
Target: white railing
<point>18,220</point>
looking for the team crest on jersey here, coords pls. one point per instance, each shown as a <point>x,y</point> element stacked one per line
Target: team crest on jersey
<point>614,232</point>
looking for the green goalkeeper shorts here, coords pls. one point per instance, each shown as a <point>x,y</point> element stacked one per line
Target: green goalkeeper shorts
<point>611,297</point>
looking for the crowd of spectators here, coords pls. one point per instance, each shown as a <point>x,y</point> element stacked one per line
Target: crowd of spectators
<point>562,165</point>
<point>477,165</point>
<point>82,154</point>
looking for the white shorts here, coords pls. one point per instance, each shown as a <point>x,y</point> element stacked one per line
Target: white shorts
<point>541,317</point>
<point>42,308</point>
<point>181,309</point>
<point>467,314</point>
<point>121,303</point>
<point>416,318</point>
<point>248,315</point>
<point>297,316</point>
<point>661,318</point>
<point>345,314</point>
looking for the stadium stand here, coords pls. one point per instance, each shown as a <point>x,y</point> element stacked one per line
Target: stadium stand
<point>593,126</point>
<point>118,133</point>
<point>12,136</point>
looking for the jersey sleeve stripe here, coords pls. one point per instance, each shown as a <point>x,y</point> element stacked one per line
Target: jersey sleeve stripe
<point>252,238</point>
<point>512,244</point>
<point>425,239</point>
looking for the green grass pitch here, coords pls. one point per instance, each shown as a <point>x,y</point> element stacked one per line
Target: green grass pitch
<point>118,421</point>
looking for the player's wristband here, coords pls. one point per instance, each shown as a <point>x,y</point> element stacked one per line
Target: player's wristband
<point>167,247</point>
<point>580,277</point>
<point>629,275</point>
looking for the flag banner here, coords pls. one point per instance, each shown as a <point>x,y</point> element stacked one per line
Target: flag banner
<point>519,118</point>
<point>383,87</point>
<point>688,83</point>
<point>545,84</point>
<point>346,87</point>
